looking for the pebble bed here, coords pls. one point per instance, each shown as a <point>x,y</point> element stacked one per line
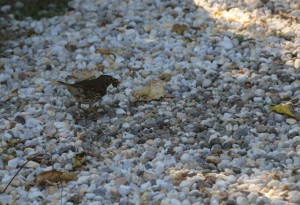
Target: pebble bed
<point>210,140</point>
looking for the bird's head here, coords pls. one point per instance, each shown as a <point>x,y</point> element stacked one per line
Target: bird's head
<point>107,80</point>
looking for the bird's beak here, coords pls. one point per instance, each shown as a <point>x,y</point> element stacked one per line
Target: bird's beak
<point>115,82</point>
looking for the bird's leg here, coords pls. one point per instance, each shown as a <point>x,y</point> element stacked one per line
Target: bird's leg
<point>92,108</point>
<point>79,106</point>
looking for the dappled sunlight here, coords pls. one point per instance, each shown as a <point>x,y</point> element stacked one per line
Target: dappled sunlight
<point>271,186</point>
<point>251,22</point>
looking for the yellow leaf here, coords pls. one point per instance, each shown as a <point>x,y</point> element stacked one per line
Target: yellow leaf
<point>154,90</point>
<point>285,109</point>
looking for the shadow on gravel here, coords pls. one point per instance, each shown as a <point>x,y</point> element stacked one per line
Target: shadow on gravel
<point>35,9</point>
<point>22,9</point>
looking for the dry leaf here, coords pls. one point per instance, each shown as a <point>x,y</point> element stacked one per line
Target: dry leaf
<point>285,109</point>
<point>154,90</point>
<point>51,178</point>
<point>105,52</point>
<point>180,28</point>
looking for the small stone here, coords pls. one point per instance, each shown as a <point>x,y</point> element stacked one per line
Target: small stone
<point>226,43</point>
<point>291,121</point>
<point>126,125</point>
<point>13,163</point>
<point>120,111</point>
<point>261,128</point>
<point>166,202</point>
<point>278,118</point>
<point>115,193</point>
<point>124,190</point>
<point>121,180</point>
<point>294,197</point>
<point>145,186</point>
<point>84,180</point>
<point>213,159</point>
<point>175,201</point>
<point>149,155</point>
<point>186,157</point>
<point>59,124</point>
<point>206,83</point>
<point>90,196</point>
<point>5,8</point>
<point>128,135</point>
<point>32,164</point>
<point>20,119</point>
<point>35,194</point>
<point>149,175</point>
<point>186,183</point>
<point>297,63</point>
<point>240,200</point>
<point>186,202</point>
<point>5,199</point>
<point>252,197</point>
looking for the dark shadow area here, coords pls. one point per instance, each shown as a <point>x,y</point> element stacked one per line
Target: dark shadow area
<point>34,8</point>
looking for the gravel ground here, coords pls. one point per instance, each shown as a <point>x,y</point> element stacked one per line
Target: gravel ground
<point>210,140</point>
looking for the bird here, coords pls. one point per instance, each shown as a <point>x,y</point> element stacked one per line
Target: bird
<point>89,91</point>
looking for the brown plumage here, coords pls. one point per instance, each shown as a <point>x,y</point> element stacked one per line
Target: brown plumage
<point>90,91</point>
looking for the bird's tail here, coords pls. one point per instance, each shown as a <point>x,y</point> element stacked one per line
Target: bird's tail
<point>58,83</point>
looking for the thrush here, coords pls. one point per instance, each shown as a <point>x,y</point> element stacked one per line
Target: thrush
<point>91,90</point>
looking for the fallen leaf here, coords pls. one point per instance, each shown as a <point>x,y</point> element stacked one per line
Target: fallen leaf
<point>51,178</point>
<point>154,90</point>
<point>285,109</point>
<point>180,28</point>
<point>105,52</point>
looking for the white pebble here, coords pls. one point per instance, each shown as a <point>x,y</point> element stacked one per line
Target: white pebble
<point>84,180</point>
<point>226,43</point>
<point>120,111</point>
<point>126,125</point>
<point>59,124</point>
<point>128,135</point>
<point>206,83</point>
<point>291,121</point>
<point>186,183</point>
<point>35,194</point>
<point>124,190</point>
<point>294,197</point>
<point>186,157</point>
<point>32,164</point>
<point>242,200</point>
<point>13,163</point>
<point>297,63</point>
<point>145,186</point>
<point>5,199</point>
